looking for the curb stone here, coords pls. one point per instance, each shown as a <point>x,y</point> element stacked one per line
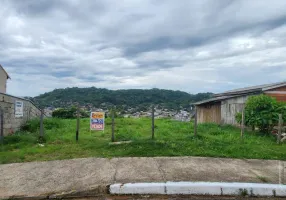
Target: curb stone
<point>200,188</point>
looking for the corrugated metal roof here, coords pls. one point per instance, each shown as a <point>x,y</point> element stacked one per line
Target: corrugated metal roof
<point>252,89</point>
<point>215,99</point>
<point>241,92</point>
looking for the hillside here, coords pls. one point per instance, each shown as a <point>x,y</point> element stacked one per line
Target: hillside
<point>104,98</point>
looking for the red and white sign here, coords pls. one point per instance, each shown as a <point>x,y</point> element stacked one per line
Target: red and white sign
<point>97,121</point>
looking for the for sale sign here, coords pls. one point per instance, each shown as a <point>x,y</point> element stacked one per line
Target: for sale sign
<point>19,109</point>
<point>97,120</point>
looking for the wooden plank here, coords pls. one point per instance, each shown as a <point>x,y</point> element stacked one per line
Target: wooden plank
<point>118,143</point>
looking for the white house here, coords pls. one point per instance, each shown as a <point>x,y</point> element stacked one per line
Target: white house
<point>3,79</point>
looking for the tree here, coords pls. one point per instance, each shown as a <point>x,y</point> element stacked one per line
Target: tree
<point>99,97</point>
<point>262,111</point>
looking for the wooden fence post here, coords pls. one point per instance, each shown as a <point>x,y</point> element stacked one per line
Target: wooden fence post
<point>153,123</point>
<point>77,123</point>
<point>196,122</point>
<point>42,124</point>
<point>280,124</point>
<point>242,123</point>
<point>112,126</point>
<point>29,113</point>
<point>1,125</point>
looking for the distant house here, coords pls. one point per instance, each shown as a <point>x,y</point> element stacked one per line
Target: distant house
<point>222,108</point>
<point>3,79</point>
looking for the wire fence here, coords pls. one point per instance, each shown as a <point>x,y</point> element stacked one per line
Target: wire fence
<point>31,113</point>
<point>10,122</point>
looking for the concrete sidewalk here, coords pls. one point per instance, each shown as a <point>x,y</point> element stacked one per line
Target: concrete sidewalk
<point>93,175</point>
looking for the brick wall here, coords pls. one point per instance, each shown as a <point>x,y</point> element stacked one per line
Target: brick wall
<point>278,93</point>
<point>11,123</point>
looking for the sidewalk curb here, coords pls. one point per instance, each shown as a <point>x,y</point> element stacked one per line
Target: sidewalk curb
<point>94,191</point>
<point>200,188</point>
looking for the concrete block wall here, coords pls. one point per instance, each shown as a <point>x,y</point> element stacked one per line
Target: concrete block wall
<point>11,123</point>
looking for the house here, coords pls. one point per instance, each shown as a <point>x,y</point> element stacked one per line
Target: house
<point>3,79</point>
<point>222,108</point>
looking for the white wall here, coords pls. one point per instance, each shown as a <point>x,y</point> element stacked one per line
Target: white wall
<point>3,80</point>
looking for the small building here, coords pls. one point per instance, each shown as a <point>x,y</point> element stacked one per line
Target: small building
<point>222,108</point>
<point>3,79</point>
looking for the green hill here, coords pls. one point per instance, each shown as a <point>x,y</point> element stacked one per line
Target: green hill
<point>130,98</point>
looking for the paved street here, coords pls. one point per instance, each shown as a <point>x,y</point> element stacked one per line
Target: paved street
<point>93,175</point>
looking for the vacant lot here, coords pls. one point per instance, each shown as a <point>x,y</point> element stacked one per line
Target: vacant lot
<point>172,138</point>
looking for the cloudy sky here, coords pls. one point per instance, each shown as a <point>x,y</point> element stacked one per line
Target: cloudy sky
<point>193,46</point>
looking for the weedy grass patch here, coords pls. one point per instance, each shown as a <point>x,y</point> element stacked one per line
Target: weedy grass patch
<point>172,138</point>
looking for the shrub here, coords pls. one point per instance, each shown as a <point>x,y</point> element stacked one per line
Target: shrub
<point>50,123</point>
<point>262,111</point>
<point>68,113</point>
<point>34,124</point>
<point>65,113</point>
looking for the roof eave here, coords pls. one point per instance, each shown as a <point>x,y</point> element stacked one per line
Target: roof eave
<point>212,100</point>
<point>275,86</point>
<point>239,93</point>
<point>220,98</point>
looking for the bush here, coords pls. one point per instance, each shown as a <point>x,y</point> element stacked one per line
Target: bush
<point>31,126</point>
<point>68,113</point>
<point>262,111</point>
<point>34,125</point>
<point>50,123</point>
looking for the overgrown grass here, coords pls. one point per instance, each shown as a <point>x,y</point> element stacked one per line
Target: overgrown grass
<point>172,138</point>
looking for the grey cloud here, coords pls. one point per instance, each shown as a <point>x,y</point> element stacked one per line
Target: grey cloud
<point>207,36</point>
<point>164,42</point>
<point>34,8</point>
<point>40,8</point>
<point>130,44</point>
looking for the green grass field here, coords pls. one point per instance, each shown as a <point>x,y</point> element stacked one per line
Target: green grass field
<point>172,138</point>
